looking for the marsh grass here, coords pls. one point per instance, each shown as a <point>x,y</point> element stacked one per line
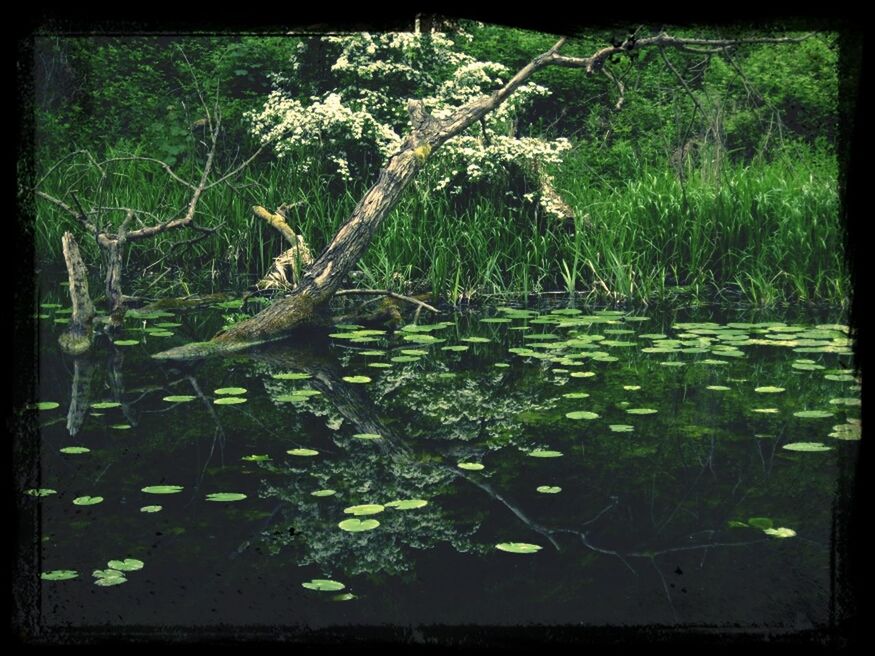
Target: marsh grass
<point>766,232</point>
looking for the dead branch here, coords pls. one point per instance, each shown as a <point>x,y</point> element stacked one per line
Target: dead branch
<point>385,292</point>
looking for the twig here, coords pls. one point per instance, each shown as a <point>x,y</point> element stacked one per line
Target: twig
<point>385,292</point>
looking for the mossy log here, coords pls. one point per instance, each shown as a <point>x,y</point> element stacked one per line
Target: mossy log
<point>77,338</point>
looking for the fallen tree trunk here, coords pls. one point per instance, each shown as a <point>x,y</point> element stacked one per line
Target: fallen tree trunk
<point>324,277</point>
<point>77,338</point>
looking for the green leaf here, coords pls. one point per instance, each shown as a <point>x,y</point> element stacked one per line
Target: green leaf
<point>226,496</point>
<point>87,501</point>
<point>291,376</point>
<point>581,414</point>
<point>518,547</point>
<point>162,489</point>
<point>125,342</point>
<point>621,428</point>
<point>126,565</point>
<point>46,405</point>
<point>813,414</point>
<point>780,532</point>
<point>807,446</point>
<point>470,466</point>
<point>151,509</point>
<point>548,489</point>
<point>769,389</point>
<point>105,404</point>
<point>367,436</point>
<point>358,525</point>
<point>302,452</point>
<point>641,411</point>
<point>40,492</point>
<point>229,400</point>
<point>324,585</point>
<point>541,453</point>
<point>323,493</point>
<point>179,398</point>
<point>364,509</point>
<point>75,450</point>
<point>357,379</point>
<point>231,391</point>
<point>406,504</point>
<point>256,458</point>
<point>59,575</point>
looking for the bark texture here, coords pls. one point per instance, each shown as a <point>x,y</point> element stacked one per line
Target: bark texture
<point>77,338</point>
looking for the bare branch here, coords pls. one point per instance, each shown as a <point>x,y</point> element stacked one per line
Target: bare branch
<point>164,165</point>
<point>385,292</point>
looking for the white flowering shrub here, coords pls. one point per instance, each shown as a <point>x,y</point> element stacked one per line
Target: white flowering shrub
<point>373,76</point>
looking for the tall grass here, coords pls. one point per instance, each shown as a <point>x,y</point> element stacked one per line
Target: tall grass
<point>766,232</point>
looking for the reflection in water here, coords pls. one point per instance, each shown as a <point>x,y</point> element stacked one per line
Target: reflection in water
<point>694,513</point>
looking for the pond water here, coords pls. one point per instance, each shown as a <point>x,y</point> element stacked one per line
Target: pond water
<point>505,467</point>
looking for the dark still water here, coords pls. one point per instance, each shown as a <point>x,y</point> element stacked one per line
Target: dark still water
<point>567,466</point>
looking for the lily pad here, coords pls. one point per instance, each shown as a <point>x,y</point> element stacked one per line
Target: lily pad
<point>581,414</point>
<point>59,575</point>
<point>151,509</point>
<point>120,426</point>
<point>357,379</point>
<point>807,446</point>
<point>543,453</point>
<point>518,547</point>
<point>368,436</point>
<point>125,342</point>
<point>302,452</point>
<point>621,428</point>
<point>358,525</point>
<point>718,388</point>
<point>632,388</point>
<point>780,532</point>
<point>40,492</point>
<point>230,391</point>
<point>575,395</point>
<point>102,405</point>
<point>46,405</point>
<point>766,411</point>
<point>293,375</point>
<point>476,340</point>
<point>229,400</point>
<point>406,504</point>
<point>324,585</point>
<point>549,489</point>
<point>769,389</point>
<point>470,466</point>
<point>455,348</point>
<point>87,501</point>
<point>364,509</point>
<point>107,581</point>
<point>641,411</point>
<point>162,489</point>
<point>126,565</point>
<point>75,450</point>
<point>226,496</point>
<point>323,493</point>
<point>179,398</point>
<point>256,458</point>
<point>813,414</point>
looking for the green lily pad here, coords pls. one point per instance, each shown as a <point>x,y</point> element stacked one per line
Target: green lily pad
<point>769,389</point>
<point>40,492</point>
<point>87,501</point>
<point>780,532</point>
<point>813,414</point>
<point>229,400</point>
<point>456,348</point>
<point>718,388</point>
<point>807,446</point>
<point>364,509</point>
<point>476,340</point>
<point>582,374</point>
<point>470,466</point>
<point>162,489</point>
<point>256,458</point>
<point>103,405</point>
<point>59,575</point>
<point>357,379</point>
<point>126,565</point>
<point>346,596</point>
<point>323,493</point>
<point>107,578</point>
<point>380,365</point>
<point>368,436</point>
<point>581,414</point>
<point>402,359</point>
<point>621,428</point>
<point>324,585</point>
<point>847,400</point>
<point>841,378</point>
<point>46,405</point>
<point>125,342</point>
<point>632,388</point>
<point>518,547</point>
<point>120,426</point>
<point>75,449</point>
<point>179,398</point>
<point>641,411</point>
<point>406,504</point>
<point>151,509</point>
<point>549,489</point>
<point>291,376</point>
<point>358,525</point>
<point>542,453</point>
<point>302,452</point>
<point>226,496</point>
<point>575,395</point>
<point>230,391</point>
<point>766,411</point>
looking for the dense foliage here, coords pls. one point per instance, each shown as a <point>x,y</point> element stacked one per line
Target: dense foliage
<point>715,173</point>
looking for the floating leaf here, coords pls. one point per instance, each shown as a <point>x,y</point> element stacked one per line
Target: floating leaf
<point>581,414</point>
<point>576,395</point>
<point>769,389</point>
<point>121,426</point>
<point>406,504</point>
<point>358,525</point>
<point>470,466</point>
<point>364,509</point>
<point>368,436</point>
<point>40,492</point>
<point>582,374</point>
<point>125,342</point>
<point>229,400</point>
<point>549,489</point>
<point>103,405</point>
<point>302,452</point>
<point>323,493</point>
<point>621,428</point>
<point>162,489</point>
<point>226,496</point>
<point>151,509</point>
<point>542,453</point>
<point>402,358</point>
<point>632,388</point>
<point>813,414</point>
<point>126,565</point>
<point>230,391</point>
<point>75,449</point>
<point>107,581</point>
<point>455,348</point>
<point>46,405</point>
<point>766,411</point>
<point>718,388</point>
<point>841,378</point>
<point>849,401</point>
<point>807,446</point>
<point>780,532</point>
<point>59,575</point>
<point>256,458</point>
<point>179,398</point>
<point>518,547</point>
<point>641,411</point>
<point>324,585</point>
<point>476,340</point>
<point>291,376</point>
<point>87,501</point>
<point>357,379</point>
